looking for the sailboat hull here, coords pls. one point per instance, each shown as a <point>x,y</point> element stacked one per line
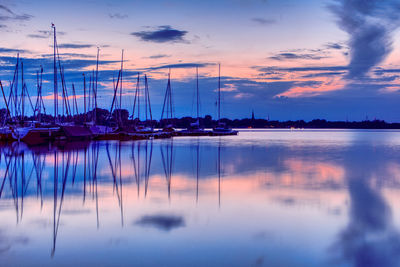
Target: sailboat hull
<point>38,136</point>
<point>223,132</point>
<point>76,132</point>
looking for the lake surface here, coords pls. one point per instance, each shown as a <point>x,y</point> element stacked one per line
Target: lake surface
<point>262,198</point>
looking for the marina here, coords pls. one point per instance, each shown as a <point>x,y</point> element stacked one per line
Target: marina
<point>68,125</point>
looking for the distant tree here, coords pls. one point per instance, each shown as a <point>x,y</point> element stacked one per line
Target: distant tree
<point>102,115</point>
<point>120,115</point>
<point>208,122</point>
<point>3,114</point>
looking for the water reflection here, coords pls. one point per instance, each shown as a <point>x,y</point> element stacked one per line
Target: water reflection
<point>271,199</point>
<point>370,238</point>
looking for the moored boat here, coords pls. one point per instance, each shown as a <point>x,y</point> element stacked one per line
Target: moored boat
<point>221,128</point>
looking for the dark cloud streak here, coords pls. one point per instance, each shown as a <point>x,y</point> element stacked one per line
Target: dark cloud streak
<point>301,69</point>
<point>158,56</point>
<point>8,14</point>
<point>75,46</point>
<point>12,50</point>
<point>162,34</point>
<point>294,56</point>
<point>180,66</point>
<point>370,25</point>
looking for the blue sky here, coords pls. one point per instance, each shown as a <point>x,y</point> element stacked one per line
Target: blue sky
<point>332,59</point>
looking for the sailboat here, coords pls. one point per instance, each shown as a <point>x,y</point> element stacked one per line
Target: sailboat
<point>221,128</point>
<point>114,128</point>
<point>167,123</point>
<point>142,127</point>
<point>98,131</point>
<point>195,128</point>
<point>70,130</point>
<point>29,132</point>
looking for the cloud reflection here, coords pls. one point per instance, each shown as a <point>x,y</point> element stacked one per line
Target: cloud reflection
<point>161,222</point>
<point>370,238</point>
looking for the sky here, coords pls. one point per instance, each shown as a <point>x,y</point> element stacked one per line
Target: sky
<point>284,59</point>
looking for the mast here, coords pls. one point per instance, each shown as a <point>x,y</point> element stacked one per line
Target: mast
<point>90,93</point>
<point>84,96</point>
<point>197,91</point>
<point>55,76</point>
<point>136,99</point>
<point>95,93</point>
<point>120,88</point>
<point>145,96</point>
<point>76,103</point>
<point>41,95</point>
<point>94,97</point>
<point>115,93</point>
<point>22,93</point>
<point>15,88</point>
<point>219,91</point>
<point>148,98</point>
<point>170,94</point>
<point>167,106</point>
<point>38,105</point>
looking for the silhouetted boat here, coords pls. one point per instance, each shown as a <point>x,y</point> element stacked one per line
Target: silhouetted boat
<point>76,132</point>
<point>221,128</point>
<point>38,135</point>
<point>167,123</point>
<point>142,127</point>
<point>195,128</point>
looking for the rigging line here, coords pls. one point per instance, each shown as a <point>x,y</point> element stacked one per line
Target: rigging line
<point>29,98</point>
<point>148,96</point>
<point>136,96</point>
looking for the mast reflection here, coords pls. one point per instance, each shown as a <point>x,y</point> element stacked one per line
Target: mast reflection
<point>52,174</point>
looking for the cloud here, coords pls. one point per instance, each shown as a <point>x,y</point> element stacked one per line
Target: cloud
<point>37,36</point>
<point>336,46</point>
<point>228,88</point>
<point>263,21</point>
<point>43,34</point>
<point>158,56</point>
<point>324,74</point>
<point>12,50</point>
<point>161,222</point>
<point>73,67</point>
<point>75,46</point>
<point>6,9</point>
<point>243,95</point>
<point>117,16</point>
<point>380,71</point>
<point>180,66</point>
<point>370,25</point>
<point>162,34</point>
<point>71,55</point>
<point>7,14</point>
<point>291,56</point>
<point>301,69</point>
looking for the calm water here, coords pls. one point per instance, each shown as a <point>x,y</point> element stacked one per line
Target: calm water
<point>263,198</point>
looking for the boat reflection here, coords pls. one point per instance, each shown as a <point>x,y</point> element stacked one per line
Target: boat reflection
<point>269,197</point>
<point>73,169</point>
